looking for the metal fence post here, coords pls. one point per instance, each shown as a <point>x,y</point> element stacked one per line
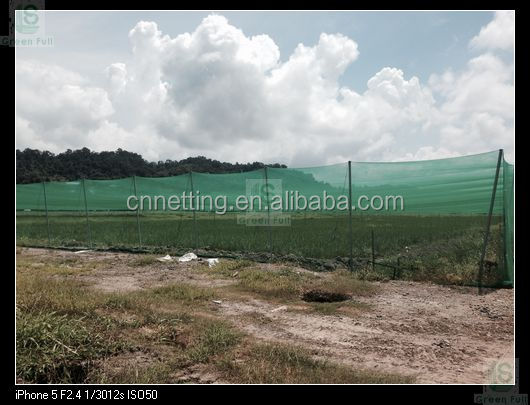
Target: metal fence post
<point>373,250</point>
<point>350,214</point>
<point>268,210</point>
<point>488,223</point>
<point>47,218</point>
<point>86,214</point>
<point>195,229</point>
<point>137,215</point>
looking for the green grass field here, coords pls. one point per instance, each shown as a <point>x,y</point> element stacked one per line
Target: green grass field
<point>443,248</point>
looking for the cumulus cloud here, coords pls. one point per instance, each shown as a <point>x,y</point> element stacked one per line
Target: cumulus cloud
<point>57,107</point>
<point>220,93</point>
<point>477,112</point>
<point>498,34</point>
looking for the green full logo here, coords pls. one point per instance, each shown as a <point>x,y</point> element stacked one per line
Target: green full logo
<point>27,20</point>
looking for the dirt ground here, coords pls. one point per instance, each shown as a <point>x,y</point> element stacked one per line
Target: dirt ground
<point>438,334</point>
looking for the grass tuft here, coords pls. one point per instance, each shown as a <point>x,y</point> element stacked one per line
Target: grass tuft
<point>283,364</point>
<point>143,261</point>
<point>54,348</point>
<point>183,293</point>
<point>215,338</point>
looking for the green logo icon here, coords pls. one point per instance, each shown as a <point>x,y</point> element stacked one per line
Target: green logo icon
<point>27,20</point>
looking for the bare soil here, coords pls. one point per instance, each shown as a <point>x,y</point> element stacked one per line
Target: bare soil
<point>439,334</point>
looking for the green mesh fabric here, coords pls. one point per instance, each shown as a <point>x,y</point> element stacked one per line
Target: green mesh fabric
<point>447,186</point>
<point>445,206</point>
<point>108,195</point>
<point>229,185</point>
<point>312,181</point>
<point>30,197</point>
<point>161,186</point>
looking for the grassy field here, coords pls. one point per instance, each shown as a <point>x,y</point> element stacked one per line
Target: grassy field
<point>68,332</point>
<point>439,248</point>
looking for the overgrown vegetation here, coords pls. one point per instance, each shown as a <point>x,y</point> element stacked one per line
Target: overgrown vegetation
<point>444,249</point>
<point>452,259</point>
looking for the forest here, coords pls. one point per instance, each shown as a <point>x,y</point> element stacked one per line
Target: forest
<point>34,166</point>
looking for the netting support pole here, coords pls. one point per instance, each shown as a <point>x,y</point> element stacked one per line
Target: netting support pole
<point>373,250</point>
<point>137,215</point>
<point>86,215</point>
<point>488,223</point>
<point>350,207</point>
<point>268,210</point>
<point>47,217</point>
<point>195,230</point>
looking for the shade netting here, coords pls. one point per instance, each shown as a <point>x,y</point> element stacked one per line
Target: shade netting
<point>428,216</point>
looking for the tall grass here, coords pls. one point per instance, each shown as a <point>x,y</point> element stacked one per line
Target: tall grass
<point>54,348</point>
<point>324,236</point>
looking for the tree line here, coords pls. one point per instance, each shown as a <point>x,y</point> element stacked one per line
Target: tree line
<point>33,166</point>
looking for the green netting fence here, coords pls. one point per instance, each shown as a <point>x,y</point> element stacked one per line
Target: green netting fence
<point>417,220</point>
